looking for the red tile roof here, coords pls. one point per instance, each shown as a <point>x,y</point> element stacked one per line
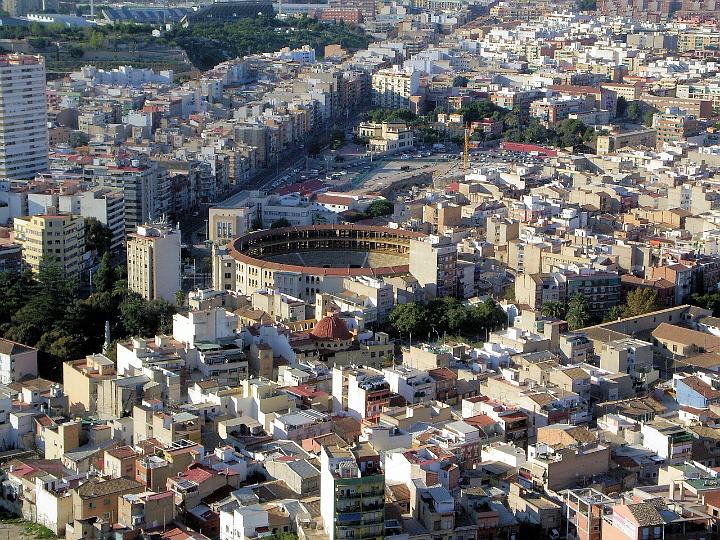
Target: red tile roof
<point>331,328</point>
<point>480,420</point>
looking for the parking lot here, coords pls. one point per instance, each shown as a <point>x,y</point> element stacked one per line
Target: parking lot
<point>363,173</point>
<point>366,173</point>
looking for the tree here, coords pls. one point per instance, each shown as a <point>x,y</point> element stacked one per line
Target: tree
<point>613,314</point>
<point>554,310</point>
<point>513,120</point>
<point>180,298</point>
<point>142,318</point>
<point>641,301</point>
<point>337,138</point>
<point>38,43</point>
<point>280,223</point>
<point>65,348</point>
<point>621,107</point>
<point>492,316</point>
<point>51,293</point>
<point>104,279</point>
<point>314,149</point>
<point>96,40</point>
<point>282,536</point>
<point>481,109</point>
<point>408,318</point>
<point>509,293</point>
<point>647,118</point>
<point>381,207</point>
<point>632,111</point>
<point>709,300</point>
<point>76,52</point>
<point>578,313</point>
<point>256,224</point>
<point>17,290</point>
<point>390,115</point>
<point>586,5</point>
<point>98,237</point>
<point>211,42</point>
<point>460,81</point>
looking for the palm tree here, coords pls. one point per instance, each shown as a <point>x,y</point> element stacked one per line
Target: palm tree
<point>552,309</point>
<point>578,313</point>
<point>613,314</point>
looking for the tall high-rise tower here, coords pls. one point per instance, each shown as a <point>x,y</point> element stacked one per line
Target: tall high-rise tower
<point>23,116</point>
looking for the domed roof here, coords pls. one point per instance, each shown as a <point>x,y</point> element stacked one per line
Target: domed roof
<point>331,328</point>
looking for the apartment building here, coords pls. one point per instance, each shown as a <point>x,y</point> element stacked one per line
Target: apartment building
<point>674,125</point>
<point>394,88</point>
<point>703,90</point>
<point>536,289</point>
<point>362,392</point>
<point>23,116</point>
<point>669,441</point>
<point>17,361</point>
<point>612,142</point>
<point>601,289</point>
<point>146,188</point>
<point>300,425</point>
<point>82,379</point>
<point>551,110</point>
<point>584,511</point>
<point>699,108</point>
<point>107,205</point>
<point>522,99</point>
<point>146,510</point>
<point>557,468</point>
<point>434,507</point>
<point>693,40</point>
<point>442,216</point>
<point>352,484</point>
<point>412,384</point>
<point>53,239</point>
<point>366,8</point>
<point>387,137</point>
<point>631,356</point>
<point>226,222</point>
<point>98,498</point>
<point>499,230</point>
<point>297,209</point>
<point>433,262</point>
<point>679,275</point>
<point>153,261</point>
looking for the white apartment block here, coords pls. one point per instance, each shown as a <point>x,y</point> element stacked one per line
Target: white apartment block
<point>153,261</point>
<point>413,384</point>
<point>392,88</point>
<point>16,361</point>
<point>23,117</point>
<point>107,205</point>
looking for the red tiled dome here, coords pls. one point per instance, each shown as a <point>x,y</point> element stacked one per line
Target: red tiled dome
<point>331,328</point>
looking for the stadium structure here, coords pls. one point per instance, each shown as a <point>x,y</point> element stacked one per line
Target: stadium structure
<point>301,261</point>
<point>222,11</point>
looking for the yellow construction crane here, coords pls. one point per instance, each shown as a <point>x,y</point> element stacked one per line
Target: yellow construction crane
<point>465,147</point>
